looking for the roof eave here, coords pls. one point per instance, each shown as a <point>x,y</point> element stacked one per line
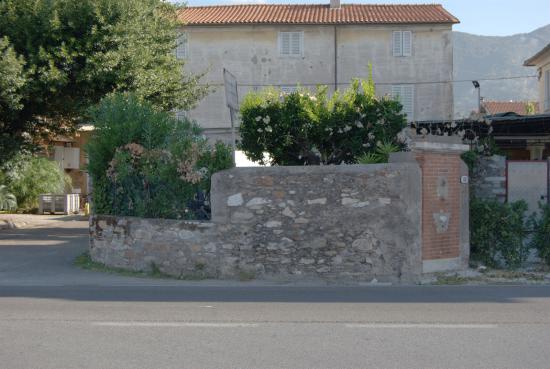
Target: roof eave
<point>532,61</point>
<point>311,23</point>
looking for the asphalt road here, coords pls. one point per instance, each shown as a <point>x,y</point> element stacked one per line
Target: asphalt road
<point>53,315</point>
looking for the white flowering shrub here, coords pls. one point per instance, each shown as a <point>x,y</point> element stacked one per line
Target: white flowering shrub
<point>304,128</point>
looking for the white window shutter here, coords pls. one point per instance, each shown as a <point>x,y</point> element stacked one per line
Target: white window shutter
<point>396,92</point>
<point>407,43</point>
<point>405,95</point>
<point>547,90</point>
<point>296,43</point>
<point>397,43</point>
<point>58,155</point>
<point>181,48</point>
<point>407,100</point>
<point>71,158</point>
<point>284,43</point>
<point>291,43</point>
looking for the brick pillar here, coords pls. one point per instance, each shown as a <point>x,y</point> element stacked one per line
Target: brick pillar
<point>445,238</point>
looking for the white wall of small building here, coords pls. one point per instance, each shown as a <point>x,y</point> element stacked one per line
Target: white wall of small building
<point>544,82</point>
<point>251,53</point>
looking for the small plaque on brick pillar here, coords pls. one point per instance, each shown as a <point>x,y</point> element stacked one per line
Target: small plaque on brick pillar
<point>441,221</point>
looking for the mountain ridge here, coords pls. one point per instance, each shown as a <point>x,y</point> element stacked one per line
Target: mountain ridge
<point>476,57</point>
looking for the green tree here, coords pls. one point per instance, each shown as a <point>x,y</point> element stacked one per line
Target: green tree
<point>12,81</point>
<point>73,53</point>
<point>29,176</point>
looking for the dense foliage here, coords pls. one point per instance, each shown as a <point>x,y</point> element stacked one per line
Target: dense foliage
<point>497,232</point>
<point>58,57</point>
<point>303,128</point>
<point>147,163</point>
<point>540,240</point>
<point>27,176</point>
<point>7,199</point>
<point>12,80</point>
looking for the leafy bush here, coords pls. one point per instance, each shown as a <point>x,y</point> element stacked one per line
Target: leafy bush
<point>497,232</point>
<point>147,163</point>
<point>540,240</point>
<point>303,128</point>
<point>7,199</point>
<point>484,147</point>
<point>380,155</point>
<point>28,176</point>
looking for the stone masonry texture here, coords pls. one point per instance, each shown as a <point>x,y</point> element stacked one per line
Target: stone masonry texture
<point>348,222</point>
<point>489,178</point>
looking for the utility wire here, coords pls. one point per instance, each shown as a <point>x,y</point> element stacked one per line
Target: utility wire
<point>248,84</point>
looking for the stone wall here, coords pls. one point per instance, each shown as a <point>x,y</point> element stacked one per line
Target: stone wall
<point>352,222</point>
<point>489,178</point>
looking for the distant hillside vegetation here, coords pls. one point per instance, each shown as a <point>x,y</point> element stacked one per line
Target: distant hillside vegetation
<point>477,57</point>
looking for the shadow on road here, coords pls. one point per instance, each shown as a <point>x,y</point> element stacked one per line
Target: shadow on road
<point>324,294</point>
<point>37,263</point>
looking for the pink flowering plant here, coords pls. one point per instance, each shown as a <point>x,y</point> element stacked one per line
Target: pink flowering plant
<point>304,128</point>
<point>147,163</point>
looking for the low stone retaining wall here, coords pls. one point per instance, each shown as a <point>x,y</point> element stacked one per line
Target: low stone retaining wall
<point>351,222</point>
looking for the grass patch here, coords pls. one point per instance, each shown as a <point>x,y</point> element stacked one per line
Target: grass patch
<point>454,279</point>
<point>491,276</point>
<point>246,275</point>
<point>85,261</point>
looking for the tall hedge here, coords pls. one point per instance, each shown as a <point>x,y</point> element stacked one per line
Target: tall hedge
<point>147,163</point>
<point>312,128</point>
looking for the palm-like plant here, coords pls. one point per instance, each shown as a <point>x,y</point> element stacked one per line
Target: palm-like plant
<point>381,155</point>
<point>7,199</point>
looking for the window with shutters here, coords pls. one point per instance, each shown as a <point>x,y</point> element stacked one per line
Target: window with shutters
<point>182,46</point>
<point>402,43</point>
<point>547,90</point>
<point>405,95</point>
<point>291,44</point>
<point>67,157</point>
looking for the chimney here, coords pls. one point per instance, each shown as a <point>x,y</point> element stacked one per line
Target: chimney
<point>335,4</point>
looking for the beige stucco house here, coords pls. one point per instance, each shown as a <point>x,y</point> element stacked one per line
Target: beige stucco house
<point>409,47</point>
<point>541,61</point>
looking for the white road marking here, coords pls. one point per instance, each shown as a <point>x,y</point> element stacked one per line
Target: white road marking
<point>422,326</point>
<point>153,324</point>
<point>174,324</point>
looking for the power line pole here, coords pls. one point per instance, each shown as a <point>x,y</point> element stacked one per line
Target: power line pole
<point>478,88</point>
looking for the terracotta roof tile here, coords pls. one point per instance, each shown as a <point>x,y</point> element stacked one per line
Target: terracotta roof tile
<point>518,107</point>
<point>315,14</point>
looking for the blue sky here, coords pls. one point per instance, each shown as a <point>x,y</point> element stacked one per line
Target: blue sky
<point>484,17</point>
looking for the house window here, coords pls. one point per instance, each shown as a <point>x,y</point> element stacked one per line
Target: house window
<point>547,90</point>
<point>291,44</point>
<point>402,43</point>
<point>182,46</point>
<point>289,89</point>
<point>405,95</point>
